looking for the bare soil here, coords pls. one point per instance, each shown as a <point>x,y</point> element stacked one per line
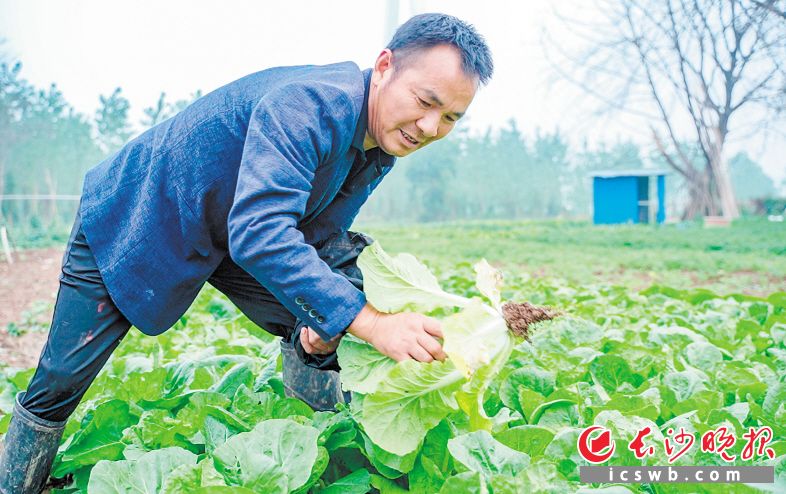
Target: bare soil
<point>519,316</point>
<point>28,288</point>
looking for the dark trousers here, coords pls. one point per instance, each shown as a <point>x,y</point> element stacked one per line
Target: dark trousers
<point>87,326</point>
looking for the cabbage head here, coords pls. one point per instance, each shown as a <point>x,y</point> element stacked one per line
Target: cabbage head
<point>398,403</point>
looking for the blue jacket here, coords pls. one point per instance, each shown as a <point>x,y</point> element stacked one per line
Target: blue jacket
<point>260,169</point>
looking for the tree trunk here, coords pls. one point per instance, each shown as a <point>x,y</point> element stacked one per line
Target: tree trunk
<point>700,202</point>
<point>720,172</point>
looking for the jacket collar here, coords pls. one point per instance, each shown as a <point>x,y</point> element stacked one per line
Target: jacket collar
<point>384,159</point>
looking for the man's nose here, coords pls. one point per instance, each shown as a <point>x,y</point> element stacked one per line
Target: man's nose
<point>429,124</point>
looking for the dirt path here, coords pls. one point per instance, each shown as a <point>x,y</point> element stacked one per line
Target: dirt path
<point>28,288</point>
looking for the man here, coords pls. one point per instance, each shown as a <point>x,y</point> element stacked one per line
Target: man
<point>252,189</point>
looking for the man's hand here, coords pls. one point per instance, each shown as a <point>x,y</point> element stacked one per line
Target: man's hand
<point>400,336</point>
<point>315,345</point>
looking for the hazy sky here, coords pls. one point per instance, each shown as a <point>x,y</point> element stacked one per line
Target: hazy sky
<point>89,47</point>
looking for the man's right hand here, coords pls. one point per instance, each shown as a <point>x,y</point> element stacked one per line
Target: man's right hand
<point>400,336</point>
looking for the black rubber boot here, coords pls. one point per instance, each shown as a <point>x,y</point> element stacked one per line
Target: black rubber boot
<point>320,389</point>
<point>28,451</point>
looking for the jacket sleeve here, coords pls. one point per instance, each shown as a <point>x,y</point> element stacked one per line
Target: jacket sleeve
<point>291,131</point>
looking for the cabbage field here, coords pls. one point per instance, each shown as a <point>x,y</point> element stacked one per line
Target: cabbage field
<point>201,408</point>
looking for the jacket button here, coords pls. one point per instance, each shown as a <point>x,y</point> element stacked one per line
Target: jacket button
<point>313,313</point>
<point>299,301</point>
<point>320,319</point>
<point>305,307</point>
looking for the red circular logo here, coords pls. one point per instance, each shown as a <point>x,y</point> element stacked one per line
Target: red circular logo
<point>595,448</point>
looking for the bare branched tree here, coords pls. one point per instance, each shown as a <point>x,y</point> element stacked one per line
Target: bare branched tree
<point>692,68</point>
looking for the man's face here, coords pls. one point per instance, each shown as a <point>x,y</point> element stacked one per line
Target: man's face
<point>413,106</point>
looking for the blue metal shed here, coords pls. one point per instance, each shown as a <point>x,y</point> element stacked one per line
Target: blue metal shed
<point>628,196</point>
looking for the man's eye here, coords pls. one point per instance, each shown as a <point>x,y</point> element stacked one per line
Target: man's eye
<point>450,119</point>
<point>424,103</point>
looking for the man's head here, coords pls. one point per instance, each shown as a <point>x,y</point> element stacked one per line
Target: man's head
<point>424,81</point>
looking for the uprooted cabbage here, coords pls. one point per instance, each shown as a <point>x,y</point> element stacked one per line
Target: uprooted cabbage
<point>398,403</point>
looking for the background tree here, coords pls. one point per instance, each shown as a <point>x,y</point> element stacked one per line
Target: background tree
<point>15,96</point>
<point>156,113</point>
<point>750,181</point>
<point>111,121</point>
<point>550,172</point>
<point>46,148</point>
<point>431,176</point>
<point>163,109</point>
<point>693,69</point>
<point>492,175</point>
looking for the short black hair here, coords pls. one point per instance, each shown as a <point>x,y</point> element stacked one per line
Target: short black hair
<point>428,30</point>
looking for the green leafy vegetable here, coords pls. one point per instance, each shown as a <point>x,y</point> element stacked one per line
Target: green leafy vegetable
<point>402,401</point>
<point>145,475</point>
<point>277,455</point>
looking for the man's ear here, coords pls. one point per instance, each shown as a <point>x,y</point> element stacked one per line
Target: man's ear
<point>383,64</point>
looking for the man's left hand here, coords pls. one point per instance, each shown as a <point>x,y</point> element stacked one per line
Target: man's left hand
<point>315,345</point>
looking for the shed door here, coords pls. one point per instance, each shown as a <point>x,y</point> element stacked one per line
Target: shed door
<point>643,194</point>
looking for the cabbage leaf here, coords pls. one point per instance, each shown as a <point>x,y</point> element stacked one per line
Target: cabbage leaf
<point>398,403</point>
